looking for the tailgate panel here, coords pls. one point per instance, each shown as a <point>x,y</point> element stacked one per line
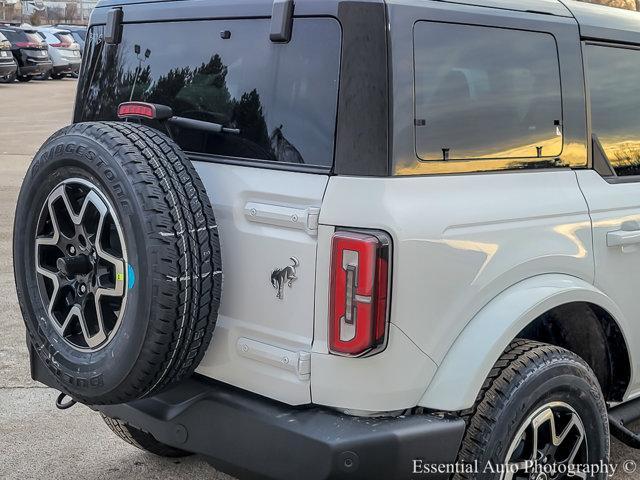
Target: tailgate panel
<point>254,326</point>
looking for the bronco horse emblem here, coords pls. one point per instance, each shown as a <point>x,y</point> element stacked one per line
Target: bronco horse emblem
<point>282,276</point>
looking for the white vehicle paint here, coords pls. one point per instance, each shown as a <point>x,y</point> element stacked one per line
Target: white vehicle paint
<point>475,259</point>
<point>459,242</point>
<point>482,244</point>
<point>261,341</point>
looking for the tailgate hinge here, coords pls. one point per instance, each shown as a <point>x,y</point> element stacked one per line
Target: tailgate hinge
<point>304,365</point>
<point>113,29</point>
<point>299,218</point>
<point>298,363</point>
<point>281,21</point>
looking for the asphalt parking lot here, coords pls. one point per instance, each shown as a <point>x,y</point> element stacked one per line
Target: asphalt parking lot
<point>36,439</point>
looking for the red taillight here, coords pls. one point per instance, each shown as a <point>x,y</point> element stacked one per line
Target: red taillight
<point>28,45</point>
<point>61,45</point>
<point>359,293</point>
<point>136,110</point>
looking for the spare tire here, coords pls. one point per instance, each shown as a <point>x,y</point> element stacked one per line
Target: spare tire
<point>116,261</point>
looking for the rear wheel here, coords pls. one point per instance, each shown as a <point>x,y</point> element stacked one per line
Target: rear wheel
<point>142,440</point>
<point>24,78</point>
<point>9,78</point>
<point>540,413</point>
<point>44,76</point>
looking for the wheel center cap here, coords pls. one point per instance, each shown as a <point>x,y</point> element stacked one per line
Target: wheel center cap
<point>77,265</point>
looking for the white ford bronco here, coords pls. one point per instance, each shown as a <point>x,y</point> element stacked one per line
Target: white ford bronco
<point>356,239</point>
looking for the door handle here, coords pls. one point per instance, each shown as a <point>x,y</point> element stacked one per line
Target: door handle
<point>620,238</point>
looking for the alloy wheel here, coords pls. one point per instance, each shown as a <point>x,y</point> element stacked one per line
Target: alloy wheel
<point>551,442</point>
<point>81,262</point>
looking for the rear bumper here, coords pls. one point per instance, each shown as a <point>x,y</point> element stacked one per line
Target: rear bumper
<point>32,69</point>
<point>7,68</point>
<point>248,435</point>
<point>71,67</point>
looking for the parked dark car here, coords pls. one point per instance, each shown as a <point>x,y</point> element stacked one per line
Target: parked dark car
<point>8,65</point>
<point>29,51</point>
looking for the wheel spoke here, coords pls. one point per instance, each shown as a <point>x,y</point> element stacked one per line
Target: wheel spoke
<point>56,287</point>
<point>95,340</point>
<point>41,241</point>
<point>574,423</point>
<point>65,324</point>
<point>61,193</point>
<point>92,198</point>
<point>117,263</point>
<point>546,443</point>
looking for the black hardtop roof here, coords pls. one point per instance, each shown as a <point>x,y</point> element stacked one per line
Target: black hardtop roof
<point>596,21</point>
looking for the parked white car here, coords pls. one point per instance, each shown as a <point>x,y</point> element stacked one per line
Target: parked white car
<point>63,50</point>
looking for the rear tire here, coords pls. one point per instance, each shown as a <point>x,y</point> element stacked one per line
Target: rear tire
<point>24,78</point>
<point>43,76</point>
<point>8,79</point>
<point>57,76</point>
<point>142,440</point>
<point>532,382</point>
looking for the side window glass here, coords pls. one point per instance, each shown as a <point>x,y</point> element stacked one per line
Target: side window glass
<point>486,93</point>
<point>614,91</point>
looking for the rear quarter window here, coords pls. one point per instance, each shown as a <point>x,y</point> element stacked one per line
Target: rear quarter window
<point>614,92</point>
<point>34,37</point>
<point>65,38</point>
<point>282,97</point>
<point>486,93</point>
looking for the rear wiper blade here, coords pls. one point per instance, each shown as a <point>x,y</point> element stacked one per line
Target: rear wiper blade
<point>163,113</point>
<point>201,125</point>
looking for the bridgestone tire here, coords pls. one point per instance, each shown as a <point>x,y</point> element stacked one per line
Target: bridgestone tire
<point>142,440</point>
<point>173,271</point>
<point>529,376</point>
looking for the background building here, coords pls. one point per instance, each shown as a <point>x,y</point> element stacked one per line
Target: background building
<point>626,4</point>
<point>40,12</point>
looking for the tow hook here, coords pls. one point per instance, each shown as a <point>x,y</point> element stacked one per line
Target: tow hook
<point>64,406</point>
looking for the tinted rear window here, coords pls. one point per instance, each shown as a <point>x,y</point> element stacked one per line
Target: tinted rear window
<point>282,97</point>
<point>15,36</point>
<point>486,93</point>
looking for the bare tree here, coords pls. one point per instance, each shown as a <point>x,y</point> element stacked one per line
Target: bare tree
<point>71,12</point>
<point>36,18</point>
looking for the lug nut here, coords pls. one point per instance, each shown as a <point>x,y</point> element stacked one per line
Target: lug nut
<point>83,289</point>
<point>72,250</point>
